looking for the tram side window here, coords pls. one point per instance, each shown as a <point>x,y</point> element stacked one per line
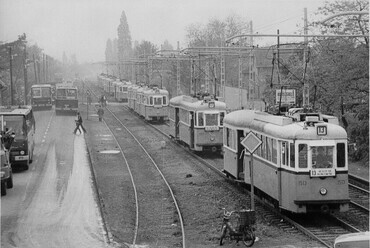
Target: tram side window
<point>222,115</point>
<point>341,155</point>
<point>269,149</point>
<point>302,153</point>
<point>200,119</point>
<point>258,150</point>
<point>230,138</point>
<point>263,146</point>
<point>274,151</point>
<point>151,100</point>
<point>292,155</point>
<point>164,100</point>
<point>284,153</point>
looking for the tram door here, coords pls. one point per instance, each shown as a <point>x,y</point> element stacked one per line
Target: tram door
<point>177,123</point>
<point>192,129</point>
<point>240,169</point>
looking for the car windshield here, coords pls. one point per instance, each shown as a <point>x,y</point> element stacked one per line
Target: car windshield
<point>15,124</point>
<point>36,92</point>
<point>45,92</point>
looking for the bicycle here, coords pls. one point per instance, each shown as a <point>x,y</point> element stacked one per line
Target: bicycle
<point>243,231</point>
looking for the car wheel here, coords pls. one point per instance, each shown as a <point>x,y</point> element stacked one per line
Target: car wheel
<point>9,183</point>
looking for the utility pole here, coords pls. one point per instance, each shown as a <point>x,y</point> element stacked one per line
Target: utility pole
<point>306,87</point>
<point>25,74</point>
<point>35,68</point>
<point>11,75</point>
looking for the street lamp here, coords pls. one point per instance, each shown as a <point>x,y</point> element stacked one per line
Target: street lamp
<point>11,56</point>
<point>344,13</point>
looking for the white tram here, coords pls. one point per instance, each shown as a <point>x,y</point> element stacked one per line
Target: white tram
<point>132,90</point>
<point>301,166</point>
<point>121,91</point>
<point>197,123</point>
<point>152,104</point>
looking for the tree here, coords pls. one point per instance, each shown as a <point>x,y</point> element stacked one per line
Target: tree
<point>340,72</point>
<point>143,50</point>
<point>124,43</point>
<point>215,32</point>
<point>124,38</point>
<point>109,51</point>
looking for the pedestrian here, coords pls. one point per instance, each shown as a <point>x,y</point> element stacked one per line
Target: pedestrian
<point>79,124</point>
<point>100,113</point>
<point>103,100</point>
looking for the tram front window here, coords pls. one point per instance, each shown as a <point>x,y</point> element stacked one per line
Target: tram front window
<point>71,93</point>
<point>211,119</point>
<point>158,101</point>
<point>322,156</point>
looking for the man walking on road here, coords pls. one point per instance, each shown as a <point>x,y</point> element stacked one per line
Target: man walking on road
<point>79,124</point>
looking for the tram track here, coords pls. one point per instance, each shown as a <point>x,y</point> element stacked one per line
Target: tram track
<point>158,217</point>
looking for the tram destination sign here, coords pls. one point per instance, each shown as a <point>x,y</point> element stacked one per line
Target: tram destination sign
<point>251,142</point>
<point>288,96</point>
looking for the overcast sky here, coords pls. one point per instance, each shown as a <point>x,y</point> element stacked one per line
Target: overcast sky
<point>82,27</point>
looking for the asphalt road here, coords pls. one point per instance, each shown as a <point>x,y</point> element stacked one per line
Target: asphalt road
<point>53,203</point>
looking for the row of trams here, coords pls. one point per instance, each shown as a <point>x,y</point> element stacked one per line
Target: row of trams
<point>286,151</point>
<point>288,165</point>
<point>288,169</point>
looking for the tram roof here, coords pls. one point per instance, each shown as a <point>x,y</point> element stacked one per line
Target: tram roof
<point>156,91</point>
<point>194,104</point>
<point>280,126</point>
<point>15,110</point>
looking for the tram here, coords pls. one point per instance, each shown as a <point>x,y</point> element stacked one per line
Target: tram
<point>121,91</point>
<point>66,98</point>
<point>301,165</point>
<point>41,96</point>
<point>197,122</point>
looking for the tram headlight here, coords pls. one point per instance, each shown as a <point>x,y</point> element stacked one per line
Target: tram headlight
<point>22,152</point>
<point>323,191</point>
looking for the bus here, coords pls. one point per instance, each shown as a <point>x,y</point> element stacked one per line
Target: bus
<point>41,96</point>
<point>66,98</point>
<point>20,121</point>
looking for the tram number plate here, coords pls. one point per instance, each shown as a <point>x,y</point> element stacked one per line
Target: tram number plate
<point>214,128</point>
<point>322,172</point>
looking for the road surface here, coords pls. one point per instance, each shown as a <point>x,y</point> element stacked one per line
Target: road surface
<point>53,204</point>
